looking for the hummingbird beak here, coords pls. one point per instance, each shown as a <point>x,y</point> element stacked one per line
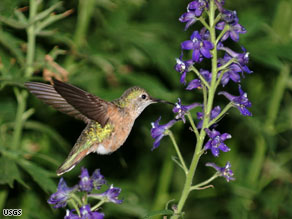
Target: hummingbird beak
<point>161,101</point>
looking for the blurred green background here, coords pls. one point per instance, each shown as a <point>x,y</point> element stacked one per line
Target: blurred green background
<point>106,46</point>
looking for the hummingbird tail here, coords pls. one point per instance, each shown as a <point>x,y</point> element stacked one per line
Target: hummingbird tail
<point>72,160</point>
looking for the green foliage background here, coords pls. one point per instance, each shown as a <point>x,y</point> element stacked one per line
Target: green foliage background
<point>110,45</point>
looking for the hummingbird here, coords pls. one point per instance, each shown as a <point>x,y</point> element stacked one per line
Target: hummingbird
<point>108,123</point>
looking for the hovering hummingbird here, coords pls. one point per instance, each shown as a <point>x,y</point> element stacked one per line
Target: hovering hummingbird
<point>108,123</point>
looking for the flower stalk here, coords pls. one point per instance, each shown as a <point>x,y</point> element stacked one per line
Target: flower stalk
<point>182,162</point>
<point>205,44</point>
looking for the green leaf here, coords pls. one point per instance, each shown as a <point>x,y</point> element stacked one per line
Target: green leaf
<point>46,12</point>
<point>9,172</point>
<point>12,23</point>
<point>37,126</point>
<point>39,175</point>
<point>13,45</point>
<point>159,213</point>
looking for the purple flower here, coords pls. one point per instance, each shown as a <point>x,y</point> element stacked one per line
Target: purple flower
<point>230,18</point>
<point>223,171</point>
<point>188,17</point>
<point>97,179</point>
<point>216,142</point>
<point>231,72</point>
<point>110,195</point>
<point>181,110</point>
<point>214,113</point>
<point>85,213</point>
<point>158,131</point>
<point>219,5</point>
<point>183,67</point>
<point>59,198</point>
<point>241,58</point>
<point>197,7</point>
<point>199,46</point>
<point>85,183</point>
<point>241,101</point>
<point>196,83</point>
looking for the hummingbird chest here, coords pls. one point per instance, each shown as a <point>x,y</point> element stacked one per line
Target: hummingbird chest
<point>109,138</point>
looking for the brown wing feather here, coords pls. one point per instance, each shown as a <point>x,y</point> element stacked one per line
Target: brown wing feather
<point>49,95</point>
<point>91,106</point>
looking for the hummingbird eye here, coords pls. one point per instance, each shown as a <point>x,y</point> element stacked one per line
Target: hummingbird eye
<point>143,96</point>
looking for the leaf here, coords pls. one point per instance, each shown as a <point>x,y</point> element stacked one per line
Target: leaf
<point>13,45</point>
<point>48,130</point>
<point>12,23</point>
<point>9,172</point>
<point>39,175</point>
<point>159,213</point>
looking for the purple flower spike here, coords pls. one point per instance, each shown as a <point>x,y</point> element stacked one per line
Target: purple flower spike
<point>226,172</point>
<point>97,179</point>
<point>85,212</point>
<point>199,46</point>
<point>241,101</point>
<point>216,142</point>
<point>59,198</point>
<point>214,113</point>
<point>183,67</point>
<point>85,183</point>
<point>158,131</point>
<point>181,110</point>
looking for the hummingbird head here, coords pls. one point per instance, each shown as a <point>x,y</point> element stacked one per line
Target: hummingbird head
<point>136,99</point>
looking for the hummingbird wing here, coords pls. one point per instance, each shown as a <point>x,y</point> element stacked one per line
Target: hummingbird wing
<point>89,105</point>
<point>50,96</point>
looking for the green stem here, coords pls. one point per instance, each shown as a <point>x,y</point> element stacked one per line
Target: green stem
<point>205,96</point>
<point>21,104</point>
<point>178,151</point>
<point>226,64</point>
<point>200,76</point>
<point>3,197</point>
<point>75,206</point>
<point>202,20</point>
<point>77,199</point>
<point>200,140</point>
<point>198,186</point>
<point>226,108</point>
<point>226,28</point>
<point>275,101</point>
<point>220,77</point>
<point>85,11</point>
<point>193,124</point>
<point>97,205</point>
<point>30,31</point>
<point>253,177</point>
